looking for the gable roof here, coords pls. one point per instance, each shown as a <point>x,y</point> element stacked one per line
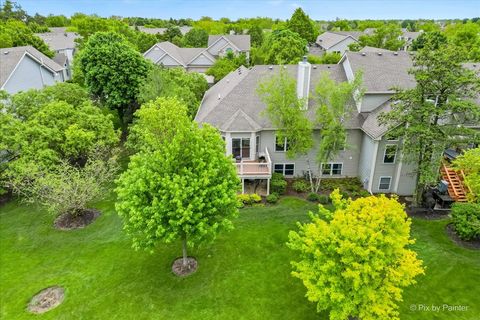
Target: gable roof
<point>184,56</point>
<point>233,104</point>
<point>10,58</point>
<point>382,71</point>
<point>328,39</point>
<point>183,30</point>
<point>58,40</point>
<point>372,126</point>
<point>241,41</point>
<point>373,49</point>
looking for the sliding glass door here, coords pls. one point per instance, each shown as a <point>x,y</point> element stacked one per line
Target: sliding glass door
<point>241,147</point>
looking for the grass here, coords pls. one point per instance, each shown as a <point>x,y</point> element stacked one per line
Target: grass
<point>245,274</point>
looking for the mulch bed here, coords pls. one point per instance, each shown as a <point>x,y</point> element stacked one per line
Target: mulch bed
<point>4,198</point>
<point>182,271</point>
<point>418,212</point>
<point>452,234</point>
<point>46,300</point>
<point>68,221</point>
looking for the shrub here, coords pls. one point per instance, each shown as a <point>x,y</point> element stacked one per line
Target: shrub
<point>466,219</point>
<point>312,196</point>
<point>323,199</point>
<point>278,184</point>
<point>272,198</point>
<point>255,198</point>
<point>364,193</point>
<point>248,199</point>
<point>300,186</point>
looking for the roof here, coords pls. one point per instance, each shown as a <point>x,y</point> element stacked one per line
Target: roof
<point>59,40</point>
<point>353,34</point>
<point>411,35</point>
<point>10,57</point>
<point>371,125</point>
<point>328,39</point>
<point>183,55</point>
<point>183,30</point>
<point>373,49</point>
<point>233,104</point>
<point>384,71</point>
<point>60,58</point>
<point>241,41</point>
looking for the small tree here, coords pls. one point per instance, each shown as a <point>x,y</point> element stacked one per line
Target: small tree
<point>354,261</point>
<point>225,65</point>
<point>386,36</point>
<point>183,189</point>
<point>113,72</point>
<point>300,23</point>
<point>435,114</point>
<point>256,35</point>
<point>283,47</point>
<point>469,162</point>
<point>196,38</point>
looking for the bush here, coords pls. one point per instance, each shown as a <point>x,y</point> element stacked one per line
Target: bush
<point>364,193</point>
<point>278,184</point>
<point>312,196</point>
<point>323,199</point>
<point>300,186</point>
<point>248,199</point>
<point>272,198</point>
<point>255,198</point>
<point>466,219</point>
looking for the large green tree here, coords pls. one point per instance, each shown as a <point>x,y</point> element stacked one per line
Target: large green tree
<point>225,65</point>
<point>355,260</point>
<point>386,37</point>
<point>15,33</point>
<point>113,72</point>
<point>188,87</point>
<point>183,188</point>
<point>469,163</point>
<point>301,23</point>
<point>435,113</point>
<point>196,38</point>
<point>256,35</point>
<point>284,47</point>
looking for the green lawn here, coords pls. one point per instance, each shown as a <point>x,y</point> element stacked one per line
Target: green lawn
<point>243,275</point>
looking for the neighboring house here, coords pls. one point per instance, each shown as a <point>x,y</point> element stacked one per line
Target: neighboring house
<point>337,41</point>
<point>198,59</point>
<point>63,44</point>
<point>23,68</point>
<point>234,107</point>
<point>408,37</point>
<point>161,31</point>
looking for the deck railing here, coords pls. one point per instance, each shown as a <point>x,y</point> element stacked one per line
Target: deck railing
<point>255,167</point>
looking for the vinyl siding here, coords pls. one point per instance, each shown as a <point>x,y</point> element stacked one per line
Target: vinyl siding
<point>201,60</point>
<point>342,46</point>
<point>366,159</point>
<point>214,50</point>
<point>155,54</point>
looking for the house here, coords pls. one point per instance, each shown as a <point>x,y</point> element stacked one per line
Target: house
<point>63,44</point>
<point>161,31</point>
<point>198,59</point>
<point>409,37</point>
<point>337,41</point>
<point>23,68</point>
<point>234,107</point>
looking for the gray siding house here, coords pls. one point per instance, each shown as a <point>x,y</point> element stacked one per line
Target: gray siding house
<point>234,107</point>
<point>23,68</point>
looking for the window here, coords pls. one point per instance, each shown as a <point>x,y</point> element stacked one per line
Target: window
<point>384,183</point>
<point>332,169</point>
<point>390,153</point>
<point>281,145</point>
<point>257,144</point>
<point>287,169</point>
<point>241,147</point>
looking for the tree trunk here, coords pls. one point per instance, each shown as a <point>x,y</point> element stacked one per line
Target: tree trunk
<point>184,250</point>
<point>312,187</point>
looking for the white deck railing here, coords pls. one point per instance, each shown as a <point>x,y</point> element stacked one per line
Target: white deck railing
<point>255,167</point>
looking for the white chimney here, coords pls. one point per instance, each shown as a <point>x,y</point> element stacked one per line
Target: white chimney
<point>303,80</point>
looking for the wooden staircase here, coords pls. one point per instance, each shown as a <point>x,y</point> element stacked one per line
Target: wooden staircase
<point>456,187</point>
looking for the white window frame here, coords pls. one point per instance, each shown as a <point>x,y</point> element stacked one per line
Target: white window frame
<point>389,183</point>
<point>284,145</point>
<point>385,153</point>
<point>283,170</point>
<point>331,169</point>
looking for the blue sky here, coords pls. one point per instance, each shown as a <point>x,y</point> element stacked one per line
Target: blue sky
<point>233,9</point>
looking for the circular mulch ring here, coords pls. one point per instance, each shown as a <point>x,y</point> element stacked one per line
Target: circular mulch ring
<point>452,234</point>
<point>180,270</point>
<point>68,221</point>
<point>46,300</point>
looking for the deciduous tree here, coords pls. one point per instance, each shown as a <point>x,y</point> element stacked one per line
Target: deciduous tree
<point>469,162</point>
<point>301,23</point>
<point>284,47</point>
<point>354,261</point>
<point>225,65</point>
<point>196,38</point>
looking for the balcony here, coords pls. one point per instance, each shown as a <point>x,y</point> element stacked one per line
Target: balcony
<point>256,169</point>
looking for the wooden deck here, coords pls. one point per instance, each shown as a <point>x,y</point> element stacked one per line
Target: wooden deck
<point>255,168</point>
<point>456,187</point>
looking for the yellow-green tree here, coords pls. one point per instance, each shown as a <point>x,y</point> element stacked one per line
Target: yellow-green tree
<point>469,162</point>
<point>354,261</point>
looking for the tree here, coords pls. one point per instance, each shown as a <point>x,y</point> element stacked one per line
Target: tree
<point>225,65</point>
<point>284,47</point>
<point>436,39</point>
<point>289,115</point>
<point>196,38</point>
<point>113,72</point>
<point>327,58</point>
<point>256,35</point>
<point>15,33</point>
<point>467,39</point>
<point>301,24</point>
<point>469,162</point>
<point>12,11</point>
<point>354,261</point>
<point>185,188</point>
<point>434,115</point>
<point>386,37</point>
<point>188,87</point>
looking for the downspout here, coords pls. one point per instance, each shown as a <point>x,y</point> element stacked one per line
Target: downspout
<point>41,72</point>
<point>372,168</point>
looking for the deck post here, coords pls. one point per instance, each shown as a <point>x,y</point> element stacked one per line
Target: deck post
<point>243,185</point>
<point>268,187</point>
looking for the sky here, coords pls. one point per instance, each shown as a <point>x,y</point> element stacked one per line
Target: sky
<point>282,9</point>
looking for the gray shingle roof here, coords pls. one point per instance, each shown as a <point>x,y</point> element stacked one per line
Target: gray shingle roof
<point>382,73</point>
<point>371,125</point>
<point>354,34</point>
<point>60,58</point>
<point>183,30</point>
<point>233,104</point>
<point>10,57</point>
<point>58,40</point>
<point>183,55</point>
<point>330,38</point>
<point>373,49</point>
<point>241,41</point>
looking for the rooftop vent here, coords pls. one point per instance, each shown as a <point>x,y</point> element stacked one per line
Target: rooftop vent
<point>6,52</point>
<point>270,67</point>
<point>379,53</point>
<point>364,54</point>
<point>284,67</point>
<point>219,96</point>
<point>314,67</point>
<point>395,53</point>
